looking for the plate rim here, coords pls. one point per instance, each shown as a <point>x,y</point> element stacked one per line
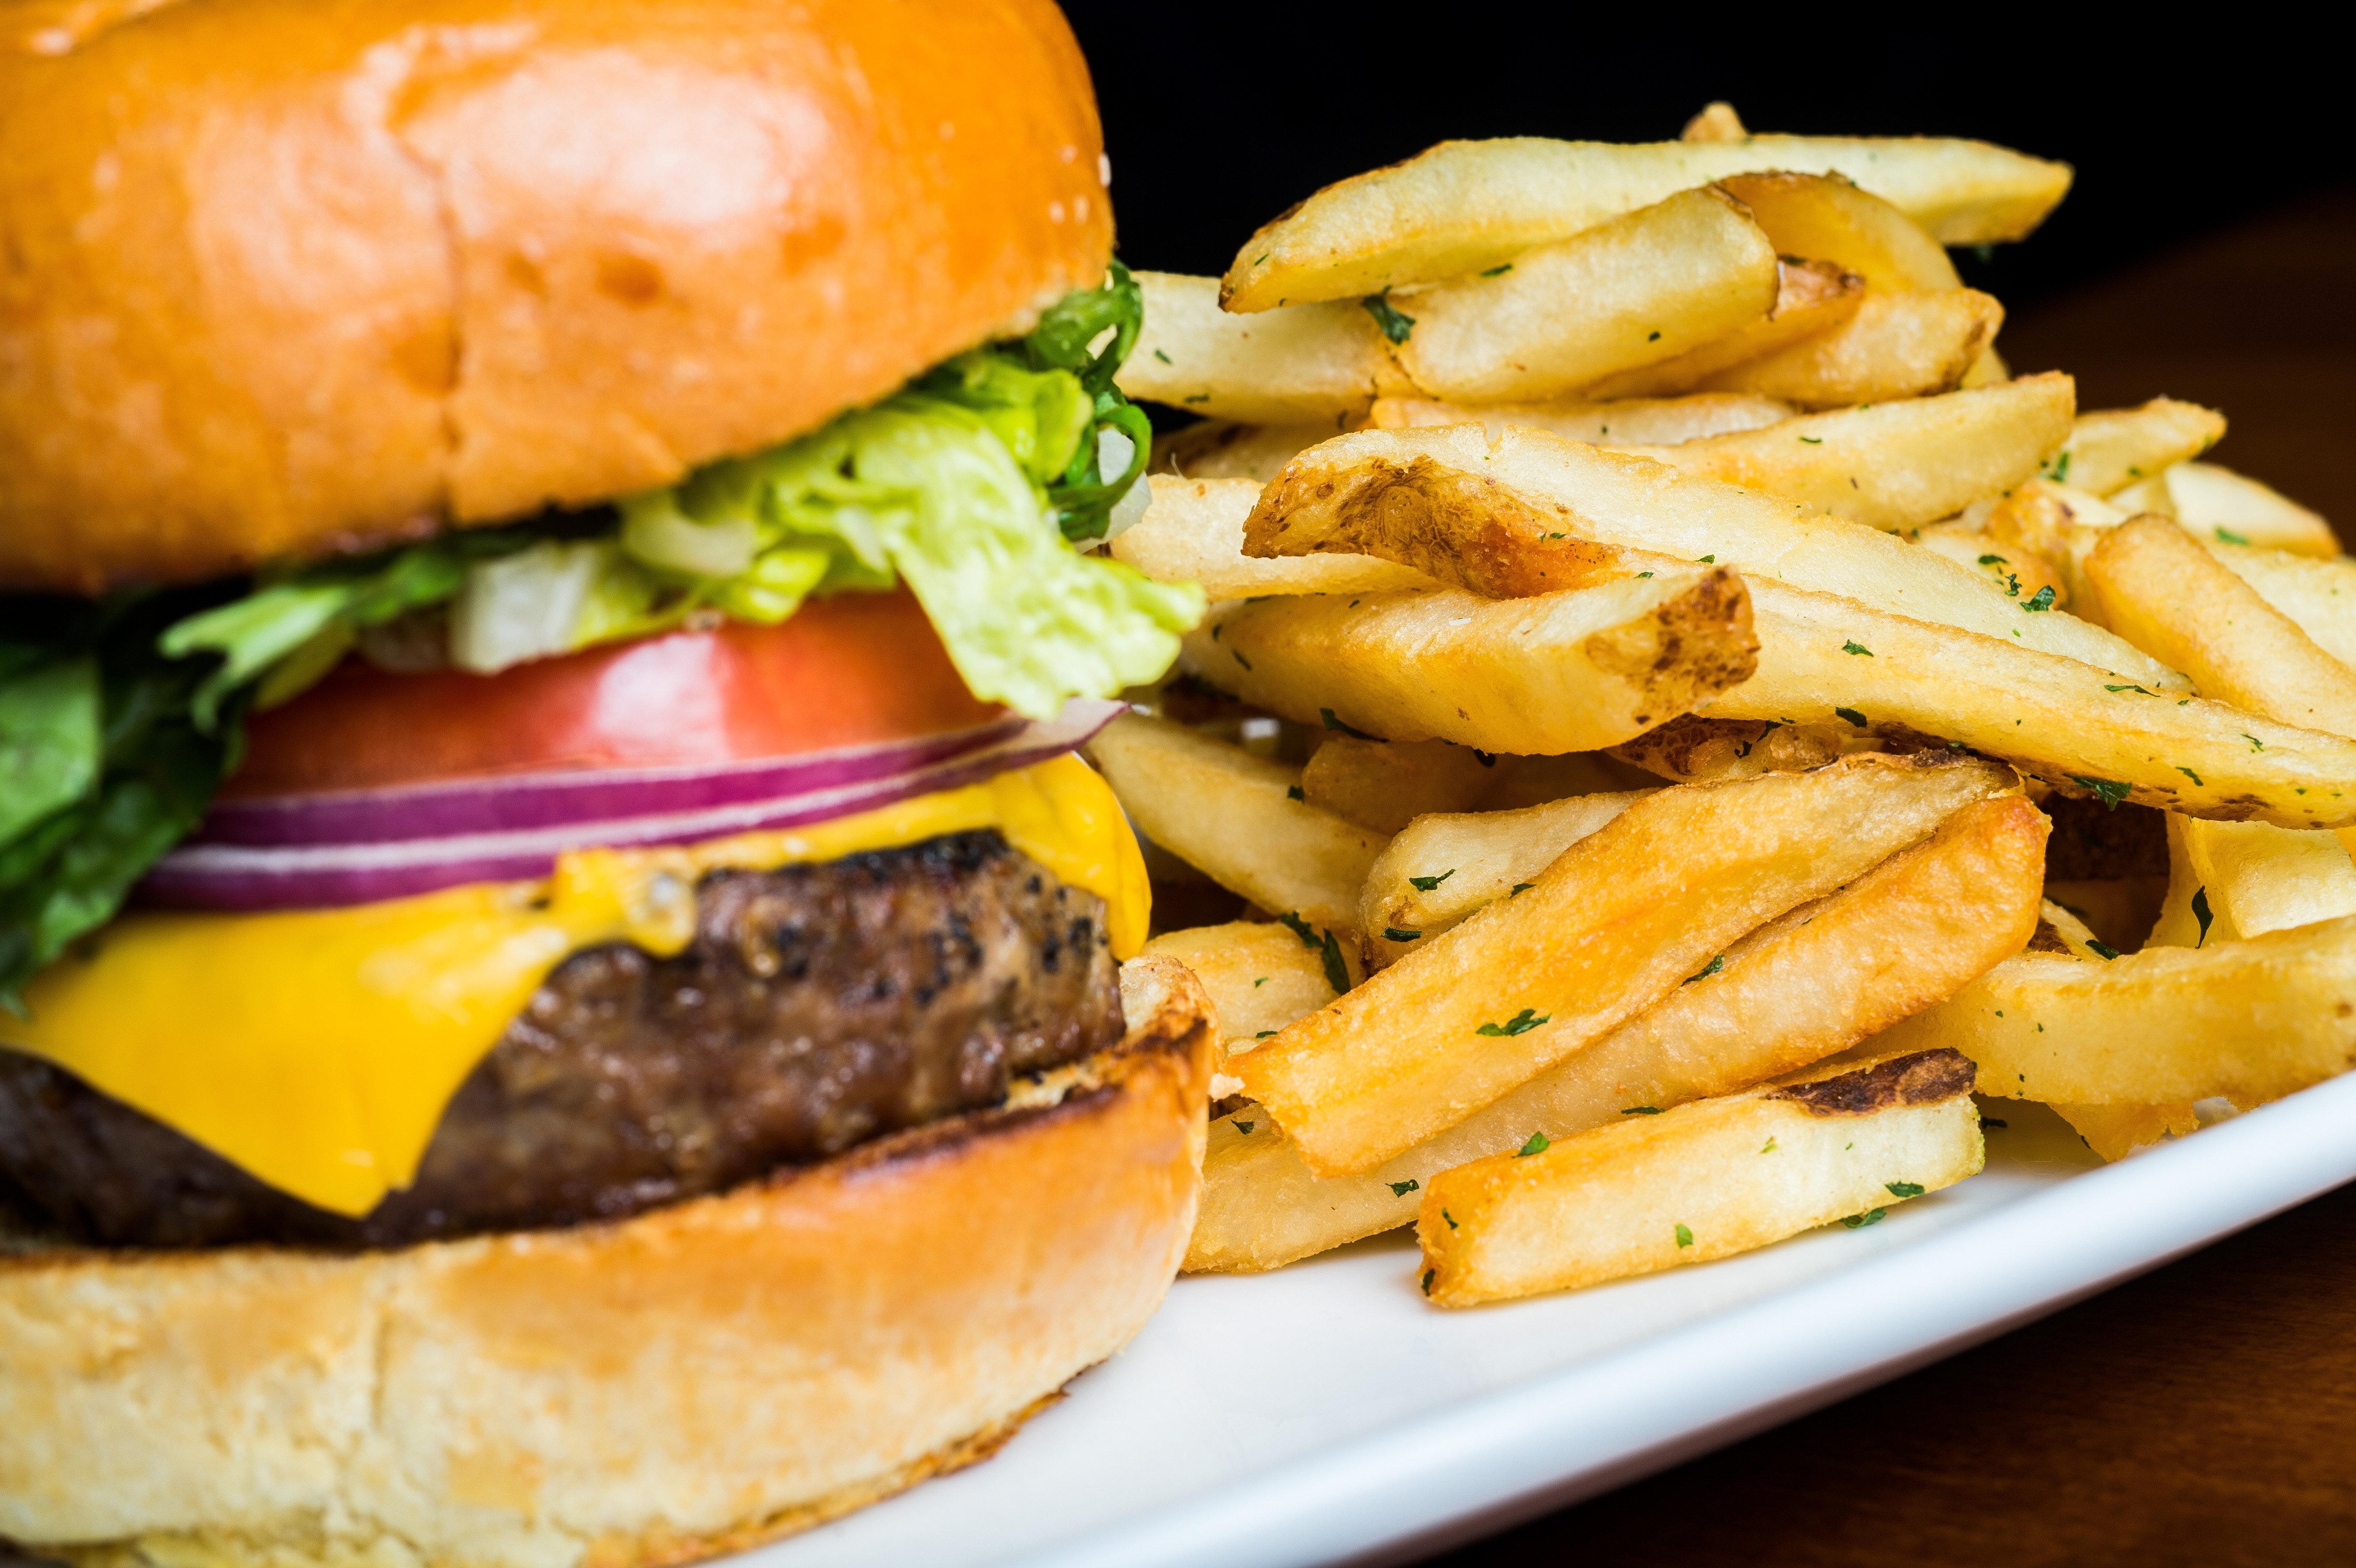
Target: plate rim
<point>1488,1461</point>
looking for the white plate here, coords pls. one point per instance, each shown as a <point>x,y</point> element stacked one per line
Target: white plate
<point>1324,1412</point>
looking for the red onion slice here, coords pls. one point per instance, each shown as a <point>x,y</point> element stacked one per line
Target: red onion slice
<point>248,877</point>
<point>521,803</point>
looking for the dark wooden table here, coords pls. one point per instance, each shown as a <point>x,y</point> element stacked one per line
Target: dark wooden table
<point>2206,1413</point>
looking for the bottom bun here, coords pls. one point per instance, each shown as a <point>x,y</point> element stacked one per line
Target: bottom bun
<point>692,1381</point>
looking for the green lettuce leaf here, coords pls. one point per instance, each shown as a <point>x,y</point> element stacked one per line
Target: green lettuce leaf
<point>929,491</point>
<point>49,739</point>
<point>151,774</point>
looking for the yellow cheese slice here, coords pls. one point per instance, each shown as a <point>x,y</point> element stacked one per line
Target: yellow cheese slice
<point>318,1048</point>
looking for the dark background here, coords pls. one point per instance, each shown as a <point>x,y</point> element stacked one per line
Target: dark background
<point>2205,1415</point>
<point>1218,117</point>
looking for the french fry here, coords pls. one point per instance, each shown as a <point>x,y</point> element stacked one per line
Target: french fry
<point>2251,1020</point>
<point>1463,207</point>
<point>1192,532</point>
<point>1439,869</point>
<point>2113,448</point>
<point>1532,510</point>
<point>1384,785</point>
<point>1232,815</point>
<point>2318,595</point>
<point>1694,750</point>
<point>1221,449</point>
<point>1717,122</point>
<point>1618,920</point>
<point>2061,525</point>
<point>1893,346</point>
<point>1706,1180</point>
<point>1894,465</point>
<point>1830,220</point>
<point>1804,987</point>
<point>1811,298</point>
<point>2084,730</point>
<point>2218,504</point>
<point>1629,421</point>
<point>1643,287</point>
<point>1260,975</point>
<point>1986,370</point>
<point>2234,880</point>
<point>2163,591</point>
<point>2021,573</point>
<point>2116,1132</point>
<point>1306,363</point>
<point>1574,671</point>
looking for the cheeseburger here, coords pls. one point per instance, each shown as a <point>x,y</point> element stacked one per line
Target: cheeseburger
<point>560,995</point>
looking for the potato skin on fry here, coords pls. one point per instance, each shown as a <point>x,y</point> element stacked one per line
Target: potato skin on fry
<point>1704,1180</point>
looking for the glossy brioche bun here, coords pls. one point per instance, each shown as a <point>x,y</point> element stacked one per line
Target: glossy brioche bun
<point>280,278</point>
<point>690,1382</point>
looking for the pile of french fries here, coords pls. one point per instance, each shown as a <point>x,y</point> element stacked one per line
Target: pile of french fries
<point>1680,718</point>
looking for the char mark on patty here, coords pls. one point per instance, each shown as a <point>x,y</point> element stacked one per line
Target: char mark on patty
<point>818,1007</point>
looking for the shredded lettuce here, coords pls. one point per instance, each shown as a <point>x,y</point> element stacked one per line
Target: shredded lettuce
<point>119,721</point>
<point>932,492</point>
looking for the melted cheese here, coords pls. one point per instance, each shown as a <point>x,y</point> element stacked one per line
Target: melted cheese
<point>318,1048</point>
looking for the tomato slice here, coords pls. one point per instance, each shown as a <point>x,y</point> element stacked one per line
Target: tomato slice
<point>848,670</point>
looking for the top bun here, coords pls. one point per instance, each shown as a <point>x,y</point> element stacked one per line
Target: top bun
<point>279,277</point>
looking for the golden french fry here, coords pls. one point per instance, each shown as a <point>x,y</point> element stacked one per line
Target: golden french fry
<point>2021,573</point>
<point>1618,920</point>
<point>1894,465</point>
<point>1830,220</point>
<point>1234,816</point>
<point>1221,449</point>
<point>1640,288</point>
<point>1717,122</point>
<point>2113,448</point>
<point>2218,504</point>
<point>1574,671</point>
<point>2116,1132</point>
<point>1804,987</point>
<point>2318,595</point>
<point>1440,869</point>
<point>2231,879</point>
<point>1533,511</point>
<point>1625,421</point>
<point>1304,365</point>
<point>1892,347</point>
<point>1192,532</point>
<point>2251,1020</point>
<point>2061,526</point>
<point>1704,1180</point>
<point>2086,732</point>
<point>1694,750</point>
<point>1463,207</point>
<point>2163,591</point>
<point>1384,785</point>
<point>1811,298</point>
<point>1986,370</point>
<point>1260,975</point>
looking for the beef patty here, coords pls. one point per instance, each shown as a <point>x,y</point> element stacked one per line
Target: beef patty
<point>816,1007</point>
